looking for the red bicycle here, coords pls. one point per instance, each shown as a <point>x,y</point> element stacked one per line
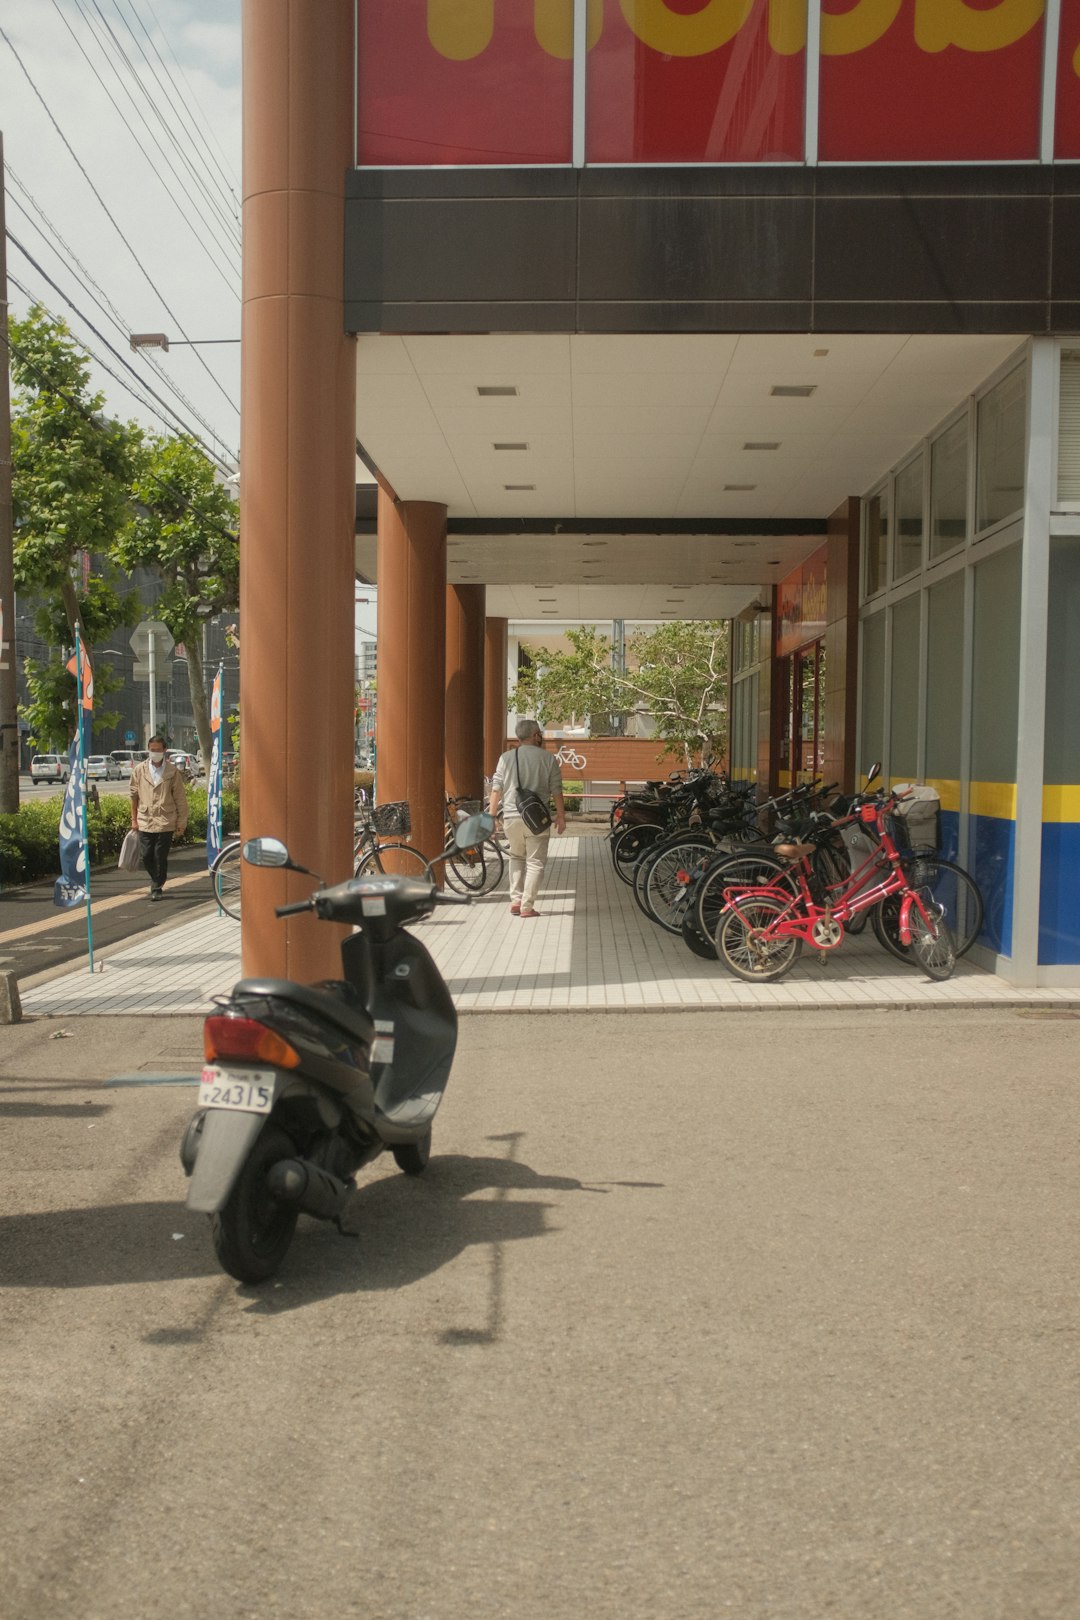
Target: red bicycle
<point>763,927</point>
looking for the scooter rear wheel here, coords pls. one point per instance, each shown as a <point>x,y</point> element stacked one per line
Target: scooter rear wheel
<point>412,1157</point>
<point>252,1233</point>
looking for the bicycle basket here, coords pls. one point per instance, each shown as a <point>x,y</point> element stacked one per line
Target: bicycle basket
<point>921,867</point>
<point>392,820</point>
<point>916,820</point>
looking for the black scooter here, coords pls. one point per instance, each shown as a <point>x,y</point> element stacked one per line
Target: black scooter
<point>305,1084</point>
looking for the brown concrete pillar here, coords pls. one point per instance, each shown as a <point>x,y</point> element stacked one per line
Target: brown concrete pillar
<point>465,690</point>
<point>412,664</point>
<point>298,384</point>
<point>495,691</point>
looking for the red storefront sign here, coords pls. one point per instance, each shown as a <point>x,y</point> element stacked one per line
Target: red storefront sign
<point>683,81</point>
<point>802,605</point>
<point>924,80</point>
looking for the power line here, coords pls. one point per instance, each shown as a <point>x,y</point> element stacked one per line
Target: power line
<point>230,283</point>
<point>105,209</point>
<point>227,173</point>
<point>115,353</point>
<point>216,217</point>
<point>115,375</point>
<point>86,280</point>
<point>220,181</point>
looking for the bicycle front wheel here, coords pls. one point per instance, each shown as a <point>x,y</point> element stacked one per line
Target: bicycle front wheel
<point>477,870</point>
<point>668,882</point>
<point>932,944</point>
<point>225,876</point>
<point>944,885</point>
<point>394,860</point>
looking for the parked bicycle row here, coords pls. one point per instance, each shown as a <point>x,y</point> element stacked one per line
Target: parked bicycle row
<point>701,867</point>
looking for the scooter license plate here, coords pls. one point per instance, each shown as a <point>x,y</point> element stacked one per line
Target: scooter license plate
<point>251,1091</point>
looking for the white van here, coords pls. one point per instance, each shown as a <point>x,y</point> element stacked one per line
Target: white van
<point>127,757</point>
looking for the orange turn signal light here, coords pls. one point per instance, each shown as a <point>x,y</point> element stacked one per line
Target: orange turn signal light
<point>247,1039</point>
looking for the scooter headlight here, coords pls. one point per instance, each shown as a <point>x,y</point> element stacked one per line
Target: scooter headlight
<point>247,1039</point>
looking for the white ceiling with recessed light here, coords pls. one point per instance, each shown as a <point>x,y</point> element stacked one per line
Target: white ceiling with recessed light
<point>647,427</point>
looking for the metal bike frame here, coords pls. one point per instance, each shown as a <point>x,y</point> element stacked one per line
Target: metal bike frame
<point>849,903</point>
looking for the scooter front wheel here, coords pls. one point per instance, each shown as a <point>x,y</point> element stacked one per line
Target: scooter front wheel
<point>412,1157</point>
<point>252,1232</point>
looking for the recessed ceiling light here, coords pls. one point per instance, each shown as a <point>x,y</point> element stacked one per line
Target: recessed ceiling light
<point>743,487</point>
<point>509,446</point>
<point>754,444</point>
<point>793,390</point>
<point>496,391</point>
<point>594,542</point>
<point>519,486</point>
<point>549,612</point>
<point>819,354</point>
<point>772,565</point>
<point>739,543</point>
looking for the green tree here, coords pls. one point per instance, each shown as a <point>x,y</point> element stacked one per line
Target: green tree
<point>71,470</point>
<point>185,528</point>
<point>676,673</point>
<point>52,712</point>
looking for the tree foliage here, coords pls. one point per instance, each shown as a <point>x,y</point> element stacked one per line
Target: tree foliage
<point>676,673</point>
<point>185,529</point>
<point>71,496</point>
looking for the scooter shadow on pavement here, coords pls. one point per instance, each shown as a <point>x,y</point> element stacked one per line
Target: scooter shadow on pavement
<point>407,1227</point>
<point>403,1228</point>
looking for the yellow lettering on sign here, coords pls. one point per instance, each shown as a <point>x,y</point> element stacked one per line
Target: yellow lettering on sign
<point>460,29</point>
<point>678,34</point>
<point>553,21</point>
<point>855,30</point>
<point>787,26</point>
<point>941,23</point>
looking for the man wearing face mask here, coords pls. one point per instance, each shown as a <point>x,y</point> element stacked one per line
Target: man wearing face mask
<point>159,809</point>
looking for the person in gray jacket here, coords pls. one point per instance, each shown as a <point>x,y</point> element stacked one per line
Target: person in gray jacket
<point>538,771</point>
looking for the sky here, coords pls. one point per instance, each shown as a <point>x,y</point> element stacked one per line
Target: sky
<point>168,258</point>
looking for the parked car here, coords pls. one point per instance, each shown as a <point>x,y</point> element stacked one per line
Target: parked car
<point>187,764</point>
<point>125,758</point>
<point>102,767</point>
<point>49,768</point>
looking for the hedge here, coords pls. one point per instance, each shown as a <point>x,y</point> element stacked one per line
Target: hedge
<point>30,839</point>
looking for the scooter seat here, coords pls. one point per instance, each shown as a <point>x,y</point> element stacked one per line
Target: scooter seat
<point>322,1002</point>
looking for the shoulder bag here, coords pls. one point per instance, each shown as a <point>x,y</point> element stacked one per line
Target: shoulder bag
<point>530,806</point>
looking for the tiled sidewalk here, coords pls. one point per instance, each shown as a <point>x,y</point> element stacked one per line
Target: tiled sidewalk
<point>591,948</point>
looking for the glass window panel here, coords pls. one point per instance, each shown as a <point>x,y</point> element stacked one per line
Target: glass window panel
<point>1001,442</point>
<point>904,690</point>
<point>945,676</point>
<point>872,693</point>
<point>910,520</point>
<point>464,83</point>
<point>693,83</point>
<point>966,87</point>
<point>876,542</point>
<point>948,490</point>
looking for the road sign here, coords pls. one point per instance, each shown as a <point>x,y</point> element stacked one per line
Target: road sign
<point>129,737</point>
<point>162,672</point>
<point>140,639</point>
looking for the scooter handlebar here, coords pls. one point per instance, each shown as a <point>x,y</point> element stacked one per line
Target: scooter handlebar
<point>294,909</point>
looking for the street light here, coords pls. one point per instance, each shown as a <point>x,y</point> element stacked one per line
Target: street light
<point>160,340</point>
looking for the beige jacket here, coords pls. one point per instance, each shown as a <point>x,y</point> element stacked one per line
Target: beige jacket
<point>160,806</point>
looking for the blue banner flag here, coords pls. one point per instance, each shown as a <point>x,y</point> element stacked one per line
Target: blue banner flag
<point>213,787</point>
<point>70,888</point>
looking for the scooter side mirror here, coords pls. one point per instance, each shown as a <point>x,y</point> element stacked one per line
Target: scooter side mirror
<point>266,852</point>
<point>873,773</point>
<point>473,830</point>
<point>271,852</point>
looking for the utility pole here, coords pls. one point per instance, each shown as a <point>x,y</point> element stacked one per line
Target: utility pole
<point>9,714</point>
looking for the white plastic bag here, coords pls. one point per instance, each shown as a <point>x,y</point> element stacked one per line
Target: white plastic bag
<point>129,853</point>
